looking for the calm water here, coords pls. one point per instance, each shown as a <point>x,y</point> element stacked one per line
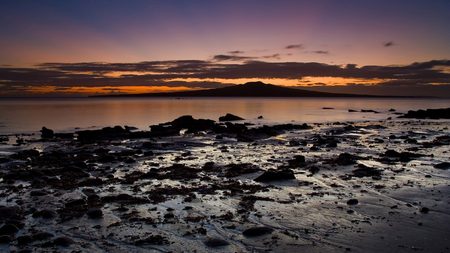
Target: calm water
<point>29,115</point>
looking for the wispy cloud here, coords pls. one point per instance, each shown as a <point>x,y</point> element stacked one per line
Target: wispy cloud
<point>388,44</point>
<point>274,56</point>
<point>223,57</point>
<point>297,46</point>
<point>318,52</point>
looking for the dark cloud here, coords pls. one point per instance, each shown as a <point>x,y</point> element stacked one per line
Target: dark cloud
<point>159,73</point>
<point>298,46</point>
<point>222,57</point>
<point>275,56</point>
<point>236,52</point>
<point>388,44</point>
<point>111,89</point>
<point>350,66</point>
<point>318,52</point>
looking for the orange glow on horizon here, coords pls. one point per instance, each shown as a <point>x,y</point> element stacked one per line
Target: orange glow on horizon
<point>107,90</point>
<point>305,81</point>
<point>111,90</point>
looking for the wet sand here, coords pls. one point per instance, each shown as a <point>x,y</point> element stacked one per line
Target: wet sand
<point>341,187</point>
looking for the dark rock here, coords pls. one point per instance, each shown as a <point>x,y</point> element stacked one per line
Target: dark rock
<point>215,242</point>
<point>184,122</point>
<point>298,159</point>
<point>256,231</point>
<point>95,213</point>
<point>91,182</point>
<point>107,158</point>
<point>75,203</point>
<point>369,111</point>
<point>402,157</point>
<point>42,235</point>
<point>64,135</point>
<point>73,169</point>
<point>25,251</point>
<point>24,239</point>
<point>424,209</point>
<point>153,239</point>
<point>46,133</point>
<point>106,133</point>
<point>7,212</point>
<point>124,196</point>
<point>24,154</point>
<point>48,214</point>
<point>410,141</point>
<point>169,216</point>
<point>269,176</point>
<point>53,181</point>
<point>294,143</point>
<point>80,164</point>
<point>444,165</point>
<point>8,229</point>
<point>38,183</point>
<point>17,223</point>
<point>364,171</point>
<point>129,160</point>
<point>4,160</point>
<point>63,241</point>
<point>23,175</point>
<point>93,198</point>
<point>234,170</point>
<point>428,114</point>
<point>352,202</point>
<point>5,239</point>
<point>230,117</point>
<point>346,159</point>
<point>236,128</point>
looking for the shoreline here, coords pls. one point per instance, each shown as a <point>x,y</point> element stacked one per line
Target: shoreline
<point>64,115</point>
<point>359,187</point>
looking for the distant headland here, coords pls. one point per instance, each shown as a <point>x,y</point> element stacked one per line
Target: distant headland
<point>250,89</point>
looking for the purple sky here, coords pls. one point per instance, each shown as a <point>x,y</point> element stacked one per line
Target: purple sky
<point>332,33</point>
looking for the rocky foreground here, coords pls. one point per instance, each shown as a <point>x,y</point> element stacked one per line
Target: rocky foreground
<point>194,185</point>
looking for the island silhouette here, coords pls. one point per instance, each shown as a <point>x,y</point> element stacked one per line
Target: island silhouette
<point>250,89</point>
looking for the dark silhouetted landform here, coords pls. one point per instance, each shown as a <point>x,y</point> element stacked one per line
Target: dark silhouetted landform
<point>443,113</point>
<point>251,89</point>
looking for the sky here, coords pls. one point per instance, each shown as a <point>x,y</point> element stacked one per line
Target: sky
<point>81,48</point>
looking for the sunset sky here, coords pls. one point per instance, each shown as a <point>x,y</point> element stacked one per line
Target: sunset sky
<point>80,48</point>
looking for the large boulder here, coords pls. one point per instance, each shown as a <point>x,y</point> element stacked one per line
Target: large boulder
<point>230,117</point>
<point>184,122</point>
<point>272,175</point>
<point>46,133</point>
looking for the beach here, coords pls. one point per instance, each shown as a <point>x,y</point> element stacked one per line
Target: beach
<point>193,185</point>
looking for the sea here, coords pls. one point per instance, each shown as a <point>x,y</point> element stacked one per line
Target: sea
<point>29,115</point>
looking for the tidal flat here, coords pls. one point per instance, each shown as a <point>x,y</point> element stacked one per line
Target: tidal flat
<point>375,186</point>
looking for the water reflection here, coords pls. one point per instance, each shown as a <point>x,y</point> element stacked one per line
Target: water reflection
<point>24,115</point>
